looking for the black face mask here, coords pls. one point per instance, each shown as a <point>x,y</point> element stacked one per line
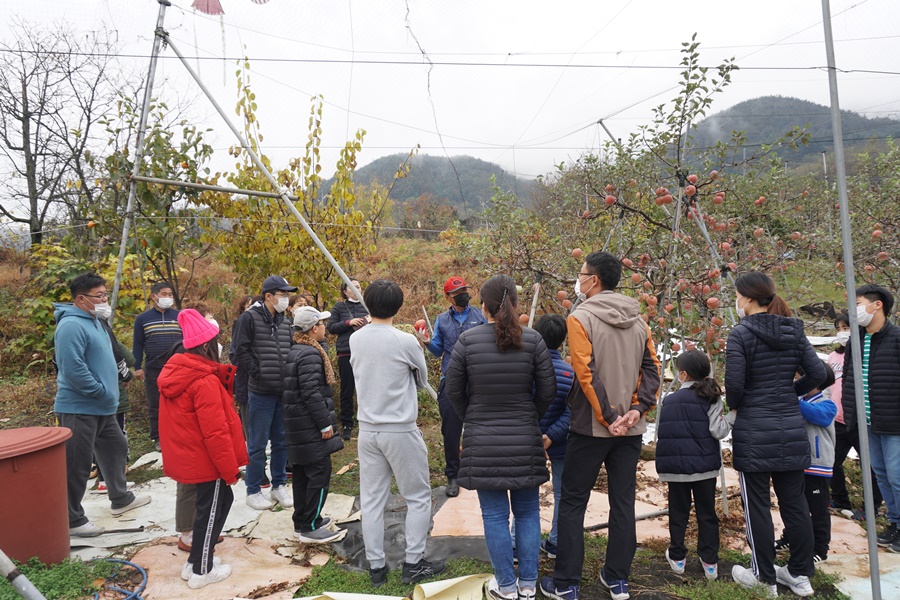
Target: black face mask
<point>462,300</point>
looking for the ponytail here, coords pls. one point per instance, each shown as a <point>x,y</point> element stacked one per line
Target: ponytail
<point>500,299</point>
<point>708,389</point>
<point>696,365</point>
<point>758,286</point>
<point>777,306</point>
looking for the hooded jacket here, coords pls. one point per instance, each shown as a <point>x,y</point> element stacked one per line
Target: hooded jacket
<point>555,422</point>
<point>199,430</point>
<point>616,368</point>
<point>884,381</point>
<point>819,412</point>
<point>88,378</point>
<point>500,397</point>
<point>308,408</point>
<point>763,354</point>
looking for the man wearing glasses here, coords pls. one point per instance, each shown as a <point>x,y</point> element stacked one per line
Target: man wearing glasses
<point>87,398</point>
<point>262,340</point>
<point>156,332</point>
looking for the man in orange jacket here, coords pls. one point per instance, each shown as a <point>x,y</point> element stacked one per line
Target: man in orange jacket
<point>617,382</point>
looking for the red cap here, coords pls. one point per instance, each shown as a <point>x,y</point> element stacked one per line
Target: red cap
<point>453,284</point>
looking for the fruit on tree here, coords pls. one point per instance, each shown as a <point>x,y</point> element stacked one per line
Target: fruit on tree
<point>712,303</point>
<point>577,252</point>
<point>523,319</point>
<point>586,214</point>
<point>676,347</point>
<point>692,178</point>
<point>567,304</point>
<point>609,188</point>
<point>610,199</point>
<point>713,175</point>
<point>876,233</point>
<point>690,191</point>
<point>561,295</point>
<point>635,278</point>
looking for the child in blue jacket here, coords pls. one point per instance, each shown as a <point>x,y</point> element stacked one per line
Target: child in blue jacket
<point>819,413</point>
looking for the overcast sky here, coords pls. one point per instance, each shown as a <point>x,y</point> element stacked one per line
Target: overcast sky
<point>529,80</point>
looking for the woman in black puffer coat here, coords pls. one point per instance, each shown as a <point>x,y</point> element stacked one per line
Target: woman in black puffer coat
<point>764,352</point>
<point>346,318</point>
<point>500,381</point>
<point>310,424</point>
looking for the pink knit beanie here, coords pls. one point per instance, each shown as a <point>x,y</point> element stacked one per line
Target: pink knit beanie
<point>196,329</point>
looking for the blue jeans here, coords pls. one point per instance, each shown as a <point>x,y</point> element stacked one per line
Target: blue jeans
<point>265,414</point>
<point>495,506</point>
<point>885,454</point>
<point>557,466</point>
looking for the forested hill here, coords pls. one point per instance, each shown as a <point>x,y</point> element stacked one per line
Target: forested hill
<point>766,118</point>
<point>435,175</point>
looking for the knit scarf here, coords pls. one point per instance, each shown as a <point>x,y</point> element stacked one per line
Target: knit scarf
<point>303,338</point>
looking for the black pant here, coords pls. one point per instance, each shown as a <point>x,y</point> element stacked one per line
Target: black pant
<point>348,386</point>
<point>152,390</point>
<point>584,457</point>
<point>310,486</point>
<point>818,499</point>
<point>214,500</point>
<point>120,419</point>
<point>789,486</point>
<point>451,429</point>
<point>846,438</point>
<point>704,495</point>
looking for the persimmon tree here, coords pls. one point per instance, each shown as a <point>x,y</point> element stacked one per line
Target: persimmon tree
<point>259,236</point>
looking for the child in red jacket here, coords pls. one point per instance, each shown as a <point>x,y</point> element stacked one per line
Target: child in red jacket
<point>201,439</point>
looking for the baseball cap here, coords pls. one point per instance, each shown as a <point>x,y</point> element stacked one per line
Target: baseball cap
<point>275,283</point>
<point>453,284</point>
<point>307,316</point>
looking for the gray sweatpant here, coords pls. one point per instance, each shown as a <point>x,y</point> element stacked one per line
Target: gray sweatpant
<point>404,455</point>
<point>94,437</point>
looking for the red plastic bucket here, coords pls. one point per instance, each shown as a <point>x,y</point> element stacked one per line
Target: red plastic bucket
<point>34,518</point>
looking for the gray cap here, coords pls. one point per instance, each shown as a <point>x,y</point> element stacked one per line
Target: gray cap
<point>305,317</point>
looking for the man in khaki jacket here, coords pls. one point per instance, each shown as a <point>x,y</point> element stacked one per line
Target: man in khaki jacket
<point>617,375</point>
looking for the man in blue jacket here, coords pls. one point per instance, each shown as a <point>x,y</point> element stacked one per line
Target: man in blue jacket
<point>87,398</point>
<point>156,332</point>
<point>447,329</point>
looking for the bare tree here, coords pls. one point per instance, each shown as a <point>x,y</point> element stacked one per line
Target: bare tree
<point>55,84</point>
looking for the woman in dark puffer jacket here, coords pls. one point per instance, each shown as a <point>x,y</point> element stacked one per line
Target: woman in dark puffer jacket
<point>310,424</point>
<point>500,381</point>
<point>764,352</point>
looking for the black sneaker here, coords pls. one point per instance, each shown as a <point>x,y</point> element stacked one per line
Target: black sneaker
<point>782,545</point>
<point>895,547</point>
<point>414,573</point>
<point>378,576</point>
<point>889,535</point>
<point>345,434</point>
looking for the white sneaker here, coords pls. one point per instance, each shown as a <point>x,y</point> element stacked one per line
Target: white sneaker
<point>259,502</point>
<point>138,501</point>
<point>282,496</point>
<point>526,593</point>
<point>492,591</point>
<point>188,569</point>
<point>799,585</point>
<point>219,572</point>
<point>746,578</point>
<point>86,530</point>
<point>710,570</point>
<point>676,565</point>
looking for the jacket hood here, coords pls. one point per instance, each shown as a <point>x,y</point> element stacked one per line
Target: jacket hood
<point>776,331</point>
<point>68,309</point>
<point>184,369</point>
<point>613,309</point>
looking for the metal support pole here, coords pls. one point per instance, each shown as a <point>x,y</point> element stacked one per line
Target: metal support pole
<point>209,188</point>
<point>138,152</point>
<point>865,464</point>
<point>265,171</point>
<point>534,299</point>
<point>21,583</point>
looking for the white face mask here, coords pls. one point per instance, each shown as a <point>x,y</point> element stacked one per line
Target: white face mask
<point>352,298</point>
<point>102,310</point>
<point>863,316</point>
<point>165,303</point>
<point>843,337</point>
<point>581,295</point>
<point>281,304</point>
<point>741,312</point>
<point>214,322</point>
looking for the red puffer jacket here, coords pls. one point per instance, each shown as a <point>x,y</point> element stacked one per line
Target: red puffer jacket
<point>199,429</point>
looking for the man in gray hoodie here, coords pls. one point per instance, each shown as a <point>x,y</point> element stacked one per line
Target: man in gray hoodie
<point>389,367</point>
